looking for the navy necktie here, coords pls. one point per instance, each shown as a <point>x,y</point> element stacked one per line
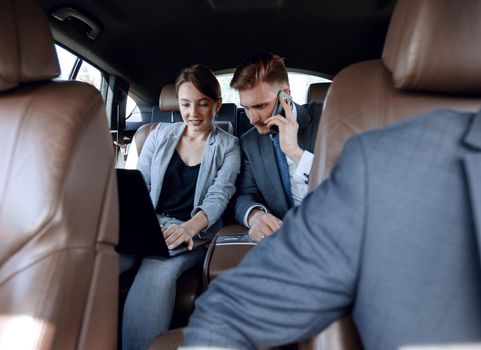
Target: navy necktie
<point>283,168</point>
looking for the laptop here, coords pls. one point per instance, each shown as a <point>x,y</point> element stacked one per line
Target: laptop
<point>139,228</point>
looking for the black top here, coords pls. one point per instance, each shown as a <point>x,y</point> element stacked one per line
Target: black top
<point>176,198</point>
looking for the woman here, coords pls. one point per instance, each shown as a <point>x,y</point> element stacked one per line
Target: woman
<point>190,169</point>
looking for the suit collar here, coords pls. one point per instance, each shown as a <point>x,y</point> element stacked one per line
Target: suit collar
<point>472,137</point>
<point>212,135</point>
<point>176,131</point>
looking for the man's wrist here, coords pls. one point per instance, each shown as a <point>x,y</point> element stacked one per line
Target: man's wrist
<point>295,154</point>
<point>249,211</point>
<point>254,215</point>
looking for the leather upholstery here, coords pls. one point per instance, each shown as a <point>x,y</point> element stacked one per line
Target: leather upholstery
<point>26,49</point>
<point>221,258</point>
<point>58,203</point>
<point>189,287</point>
<point>137,143</point>
<point>141,135</point>
<point>364,96</point>
<point>317,92</point>
<point>168,100</point>
<point>432,45</point>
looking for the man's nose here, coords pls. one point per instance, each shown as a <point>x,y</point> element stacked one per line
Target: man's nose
<point>254,117</point>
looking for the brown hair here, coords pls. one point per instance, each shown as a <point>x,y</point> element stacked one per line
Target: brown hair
<point>202,78</point>
<point>266,67</point>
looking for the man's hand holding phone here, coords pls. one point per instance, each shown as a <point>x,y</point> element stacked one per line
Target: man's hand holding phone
<point>287,126</point>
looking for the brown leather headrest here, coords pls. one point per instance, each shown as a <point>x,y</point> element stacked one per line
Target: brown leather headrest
<point>317,92</point>
<point>435,45</point>
<point>167,100</point>
<point>26,46</point>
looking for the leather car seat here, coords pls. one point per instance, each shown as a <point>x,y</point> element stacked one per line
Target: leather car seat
<point>317,92</point>
<point>58,197</point>
<point>431,60</point>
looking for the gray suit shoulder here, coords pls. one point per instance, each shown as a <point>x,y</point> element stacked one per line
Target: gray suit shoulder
<point>249,137</point>
<point>439,123</point>
<point>250,134</point>
<point>419,142</point>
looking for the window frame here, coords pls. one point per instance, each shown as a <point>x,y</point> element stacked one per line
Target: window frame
<point>74,71</point>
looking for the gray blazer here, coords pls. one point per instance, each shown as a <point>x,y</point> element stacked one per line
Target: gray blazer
<point>394,236</point>
<point>259,182</point>
<point>217,174</point>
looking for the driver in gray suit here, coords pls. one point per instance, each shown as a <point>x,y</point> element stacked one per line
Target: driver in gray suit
<point>394,235</point>
<point>275,166</point>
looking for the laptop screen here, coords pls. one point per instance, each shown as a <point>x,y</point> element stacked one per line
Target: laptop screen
<point>139,229</point>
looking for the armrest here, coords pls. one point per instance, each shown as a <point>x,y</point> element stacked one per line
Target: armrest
<point>221,257</point>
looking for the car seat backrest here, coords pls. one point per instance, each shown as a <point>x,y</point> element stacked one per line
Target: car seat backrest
<point>226,118</point>
<point>58,197</point>
<point>168,99</point>
<point>317,92</point>
<point>431,60</point>
<point>27,53</point>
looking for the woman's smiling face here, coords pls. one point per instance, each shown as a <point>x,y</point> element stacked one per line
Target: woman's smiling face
<point>197,109</point>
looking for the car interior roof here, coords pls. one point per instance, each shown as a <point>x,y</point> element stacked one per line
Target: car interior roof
<point>149,42</point>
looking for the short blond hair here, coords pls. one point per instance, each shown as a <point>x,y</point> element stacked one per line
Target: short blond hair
<point>266,67</point>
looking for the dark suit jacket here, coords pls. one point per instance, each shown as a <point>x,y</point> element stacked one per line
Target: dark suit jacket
<point>394,236</point>
<point>259,182</point>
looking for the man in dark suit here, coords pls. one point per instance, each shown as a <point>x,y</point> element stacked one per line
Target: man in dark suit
<point>393,236</point>
<point>275,166</point>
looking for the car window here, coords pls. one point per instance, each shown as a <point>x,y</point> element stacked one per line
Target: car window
<point>299,83</point>
<point>66,60</point>
<point>132,112</point>
<point>89,74</point>
<point>73,67</point>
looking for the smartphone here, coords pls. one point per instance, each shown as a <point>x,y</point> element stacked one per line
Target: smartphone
<point>278,109</point>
